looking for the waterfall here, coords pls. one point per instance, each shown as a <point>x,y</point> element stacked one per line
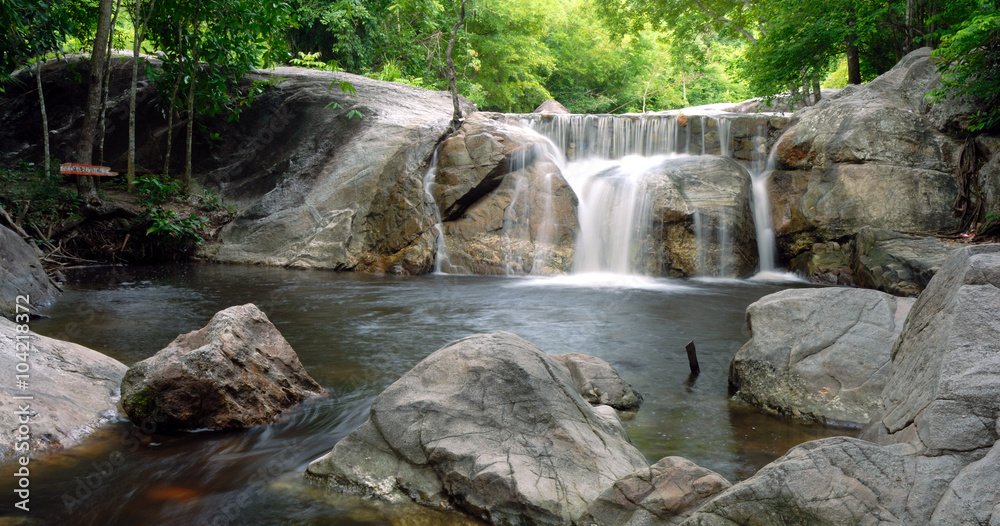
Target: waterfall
<point>612,211</point>
<point>606,161</point>
<point>440,249</point>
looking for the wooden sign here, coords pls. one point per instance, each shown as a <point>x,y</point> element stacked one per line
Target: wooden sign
<point>86,169</point>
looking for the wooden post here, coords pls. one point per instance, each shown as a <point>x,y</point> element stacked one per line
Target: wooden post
<point>692,358</point>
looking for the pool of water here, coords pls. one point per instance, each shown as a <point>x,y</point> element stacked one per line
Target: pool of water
<point>356,334</point>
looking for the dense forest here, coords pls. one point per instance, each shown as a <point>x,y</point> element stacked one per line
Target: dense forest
<point>511,55</point>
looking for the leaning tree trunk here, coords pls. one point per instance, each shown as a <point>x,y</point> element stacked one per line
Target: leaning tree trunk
<point>186,180</point>
<point>172,104</point>
<point>138,36</point>
<point>456,119</point>
<point>45,118</point>
<point>106,92</point>
<point>85,147</point>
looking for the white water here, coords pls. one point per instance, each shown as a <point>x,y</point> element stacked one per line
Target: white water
<point>440,249</point>
<point>606,158</point>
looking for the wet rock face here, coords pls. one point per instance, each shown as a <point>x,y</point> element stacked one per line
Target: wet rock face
<point>505,205</point>
<point>74,390</point>
<point>329,191</point>
<point>21,274</point>
<point>821,354</point>
<point>706,197</point>
<point>237,371</point>
<point>663,494</point>
<point>867,156</point>
<point>489,425</point>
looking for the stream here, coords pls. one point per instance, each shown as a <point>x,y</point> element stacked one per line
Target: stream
<point>357,333</point>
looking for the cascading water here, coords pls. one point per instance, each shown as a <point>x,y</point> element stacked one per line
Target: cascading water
<point>440,249</point>
<point>608,158</point>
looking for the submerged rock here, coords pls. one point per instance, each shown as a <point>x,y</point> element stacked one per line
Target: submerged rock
<point>820,354</point>
<point>74,391</point>
<point>661,495</point>
<point>489,425</point>
<point>237,371</point>
<point>21,274</point>
<point>599,383</point>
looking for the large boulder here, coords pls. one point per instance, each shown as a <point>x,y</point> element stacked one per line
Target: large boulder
<point>505,206</point>
<point>21,274</point>
<point>900,264</point>
<point>836,481</point>
<point>489,425</point>
<point>930,454</point>
<point>237,371</point>
<point>867,156</point>
<point>332,191</point>
<point>944,391</point>
<point>821,354</point>
<point>661,495</point>
<point>73,390</point>
<point>701,220</point>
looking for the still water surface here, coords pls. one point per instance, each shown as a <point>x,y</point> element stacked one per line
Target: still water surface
<point>356,334</point>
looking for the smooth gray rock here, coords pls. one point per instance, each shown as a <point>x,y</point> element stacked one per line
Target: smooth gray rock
<point>944,391</point>
<point>21,274</point>
<point>74,390</point>
<point>973,497</point>
<point>836,481</point>
<point>662,494</point>
<point>237,371</point>
<point>706,193</point>
<point>868,156</point>
<point>900,264</point>
<point>933,451</point>
<point>599,383</point>
<point>820,354</point>
<point>327,191</point>
<point>489,425</point>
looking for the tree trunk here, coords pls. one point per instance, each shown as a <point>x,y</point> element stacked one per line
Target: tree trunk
<point>173,104</point>
<point>853,62</point>
<point>137,37</point>
<point>817,91</point>
<point>47,162</point>
<point>85,147</point>
<point>456,119</point>
<point>101,125</point>
<point>188,153</point>
<point>804,74</point>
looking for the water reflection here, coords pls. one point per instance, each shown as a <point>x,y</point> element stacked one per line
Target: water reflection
<point>356,334</point>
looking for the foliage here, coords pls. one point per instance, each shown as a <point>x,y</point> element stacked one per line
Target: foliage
<point>153,192</point>
<point>43,199</point>
<point>970,64</point>
<point>181,231</point>
<point>211,202</point>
